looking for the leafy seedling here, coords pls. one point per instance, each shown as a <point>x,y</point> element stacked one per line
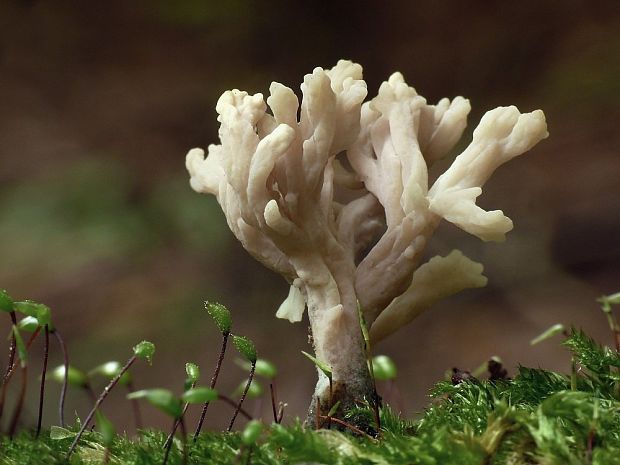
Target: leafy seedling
<point>143,350</point>
<point>221,316</point>
<point>248,351</point>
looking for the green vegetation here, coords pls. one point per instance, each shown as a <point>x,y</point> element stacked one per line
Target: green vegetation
<point>537,417</point>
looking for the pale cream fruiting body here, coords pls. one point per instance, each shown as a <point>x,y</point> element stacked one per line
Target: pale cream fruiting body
<point>277,179</point>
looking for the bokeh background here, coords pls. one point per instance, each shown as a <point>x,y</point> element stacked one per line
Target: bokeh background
<point>100,101</point>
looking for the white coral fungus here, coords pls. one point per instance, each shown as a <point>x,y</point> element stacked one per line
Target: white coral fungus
<point>280,182</point>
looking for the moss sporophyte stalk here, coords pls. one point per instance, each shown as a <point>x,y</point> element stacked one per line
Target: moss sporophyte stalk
<point>279,181</point>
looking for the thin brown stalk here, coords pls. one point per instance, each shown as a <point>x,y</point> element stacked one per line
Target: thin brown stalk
<point>65,380</point>
<point>43,373</point>
<point>168,445</point>
<point>184,434</point>
<point>273,402</point>
<point>245,392</point>
<point>20,402</point>
<point>11,363</point>
<point>177,422</point>
<point>11,371</point>
<point>101,398</point>
<point>216,373</point>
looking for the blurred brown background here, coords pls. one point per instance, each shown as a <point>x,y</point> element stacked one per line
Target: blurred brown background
<point>100,101</point>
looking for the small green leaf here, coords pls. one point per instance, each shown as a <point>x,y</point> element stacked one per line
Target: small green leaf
<point>245,347</point>
<point>251,432</point>
<point>22,352</point>
<point>193,372</point>
<point>333,410</point>
<point>324,367</point>
<point>199,395</point>
<point>106,428</point>
<point>109,370</point>
<point>548,333</point>
<point>6,303</point>
<point>57,433</point>
<point>144,350</point>
<point>221,316</point>
<point>384,368</point>
<point>75,377</point>
<point>613,299</point>
<point>254,391</point>
<point>163,399</point>
<point>28,324</point>
<point>41,312</point>
<point>264,368</point>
